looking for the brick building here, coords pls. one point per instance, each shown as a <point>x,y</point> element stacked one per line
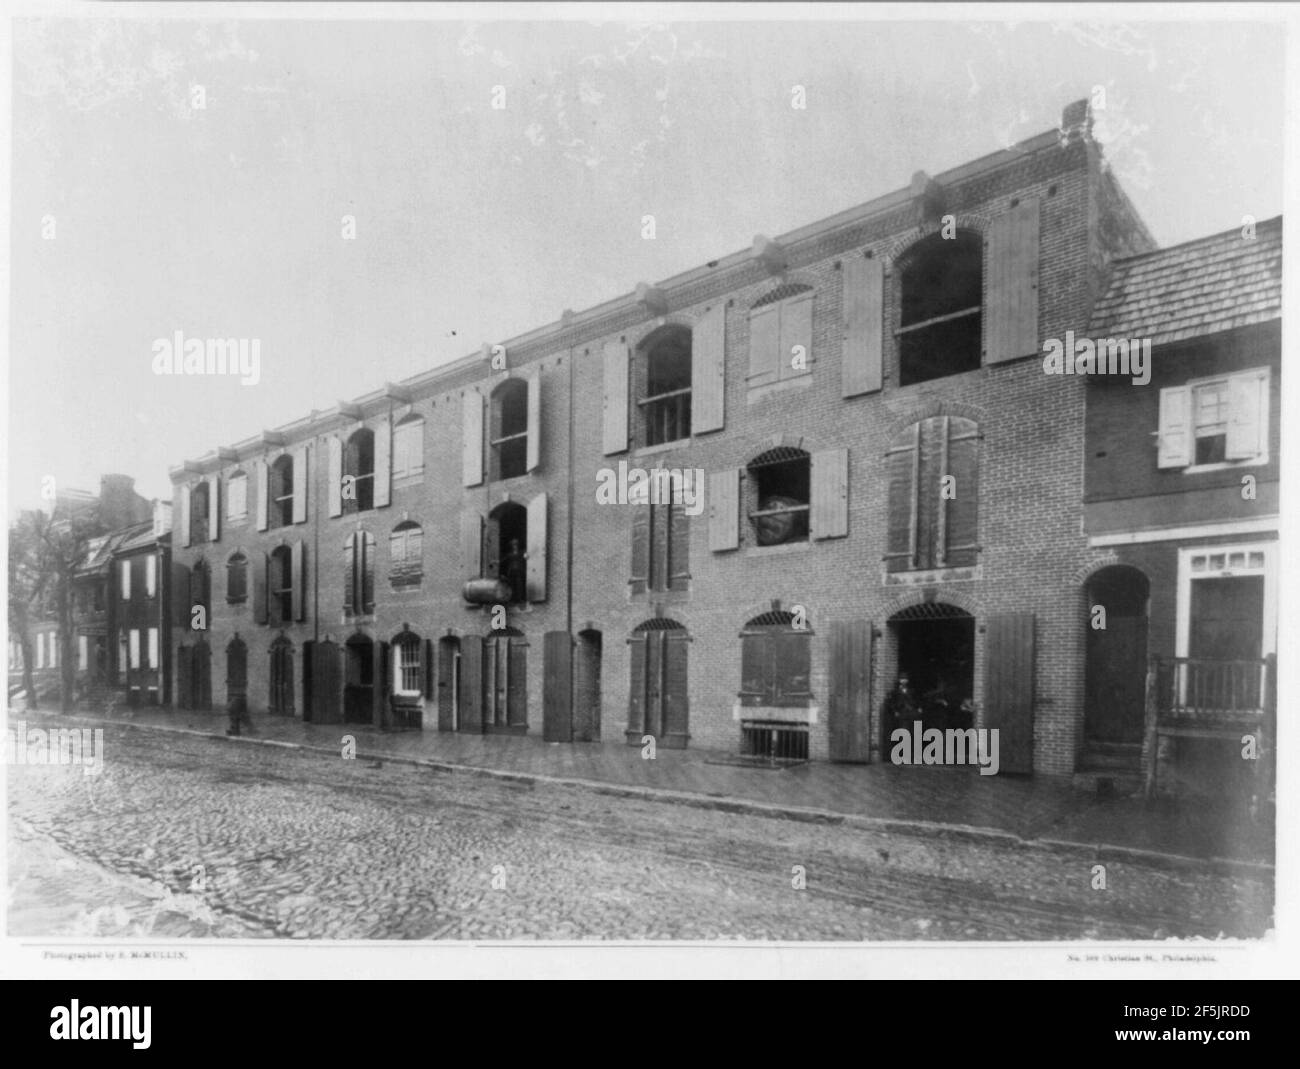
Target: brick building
<point>890,484</point>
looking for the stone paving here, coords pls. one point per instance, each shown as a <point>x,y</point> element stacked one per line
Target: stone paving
<point>1027,808</point>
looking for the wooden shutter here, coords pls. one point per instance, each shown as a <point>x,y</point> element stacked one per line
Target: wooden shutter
<point>1247,406</point>
<point>830,494</point>
<point>640,576</point>
<point>636,646</point>
<point>1011,319</point>
<point>536,564</point>
<point>861,360</point>
<point>756,668</point>
<point>471,546</point>
<point>214,508</point>
<point>471,684</point>
<point>903,463</point>
<point>383,463</point>
<point>849,711</point>
<point>380,654</point>
<point>185,515</point>
<point>557,687</point>
<point>257,563</point>
<point>1009,688</point>
<point>180,596</point>
<point>1175,434</point>
<point>203,670</point>
<point>471,429</point>
<point>764,345</point>
<point>491,551</point>
<point>335,476</point>
<point>962,512</point>
<point>349,573</point>
<point>184,677</point>
<point>676,688</point>
<point>796,334</point>
<point>533,442</point>
<point>614,437</point>
<point>708,370</point>
<point>366,547</point>
<point>679,548</point>
<point>300,484</point>
<point>792,656</point>
<point>261,493</point>
<point>429,692</point>
<point>298,579</point>
<point>724,510</point>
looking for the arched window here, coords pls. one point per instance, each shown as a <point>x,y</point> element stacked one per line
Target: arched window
<point>237,496</point>
<point>279,580</point>
<point>200,588</point>
<point>658,698</point>
<point>509,429</point>
<point>199,501</point>
<point>236,667</point>
<point>359,472</point>
<point>359,574</point>
<point>406,546</point>
<point>280,499</point>
<point>664,381</point>
<point>941,300</point>
<point>408,447</point>
<point>934,495</point>
<point>775,660</point>
<point>780,335</point>
<point>780,495</point>
<point>408,665</point>
<point>236,578</point>
<point>506,550</point>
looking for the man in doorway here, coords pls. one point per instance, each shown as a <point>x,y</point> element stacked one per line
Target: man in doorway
<point>514,572</point>
<point>901,706</point>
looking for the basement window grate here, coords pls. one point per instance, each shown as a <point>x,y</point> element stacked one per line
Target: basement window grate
<point>778,741</point>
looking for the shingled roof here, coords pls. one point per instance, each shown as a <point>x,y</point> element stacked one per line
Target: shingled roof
<point>1201,287</point>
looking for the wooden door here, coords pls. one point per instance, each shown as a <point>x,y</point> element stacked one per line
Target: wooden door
<point>1009,688</point>
<point>557,693</point>
<point>849,715</point>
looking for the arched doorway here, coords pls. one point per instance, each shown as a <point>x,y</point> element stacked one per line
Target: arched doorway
<point>449,696</point>
<point>194,676</point>
<point>359,680</point>
<point>658,698</point>
<point>586,687</point>
<point>1116,657</point>
<point>281,700</point>
<point>236,669</point>
<point>935,645</point>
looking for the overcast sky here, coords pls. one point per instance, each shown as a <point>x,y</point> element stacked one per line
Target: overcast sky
<point>474,224</point>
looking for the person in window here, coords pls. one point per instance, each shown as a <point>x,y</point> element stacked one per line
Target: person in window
<point>514,571</point>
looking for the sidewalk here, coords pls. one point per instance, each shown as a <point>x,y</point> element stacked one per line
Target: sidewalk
<point>916,800</point>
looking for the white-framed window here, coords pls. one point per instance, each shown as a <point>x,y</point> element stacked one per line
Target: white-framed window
<point>83,652</point>
<point>1215,422</point>
<point>153,648</point>
<point>1241,560</point>
<point>150,575</point>
<point>408,447</point>
<point>125,572</point>
<point>40,649</point>
<point>133,647</point>
<point>408,672</point>
<point>237,496</point>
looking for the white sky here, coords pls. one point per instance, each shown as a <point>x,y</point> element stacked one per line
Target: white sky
<point>476,224</point>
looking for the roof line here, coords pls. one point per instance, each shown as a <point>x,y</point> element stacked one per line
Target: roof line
<point>1205,239</point>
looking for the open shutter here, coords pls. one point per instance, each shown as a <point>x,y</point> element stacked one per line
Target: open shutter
<point>300,484</point>
<point>366,547</point>
<point>471,685</point>
<point>429,686</point>
<point>764,344</point>
<point>261,492</point>
<point>724,510</point>
<point>830,494</point>
<point>679,548</point>
<point>536,573</point>
<point>861,360</point>
<point>849,711</point>
<point>708,370</point>
<point>557,687</point>
<point>756,668</point>
<point>640,576</point>
<point>257,563</point>
<point>796,335</point>
<point>298,579</point>
<point>1247,404</point>
<point>792,653</point>
<point>676,695</point>
<point>533,441</point>
<point>636,647</point>
<point>335,489</point>
<point>1012,312</point>
<point>185,515</point>
<point>349,573</point>
<point>962,511</point>
<point>471,442</point>
<point>383,462</point>
<point>380,652</point>
<point>1009,688</point>
<point>1175,435</point>
<point>214,508</point>
<point>471,546</point>
<point>903,464</point>
<point>614,437</point>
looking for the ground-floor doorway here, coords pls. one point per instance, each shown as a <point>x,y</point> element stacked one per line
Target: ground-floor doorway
<point>935,676</point>
<point>281,699</point>
<point>359,680</point>
<point>586,687</point>
<point>1115,665</point>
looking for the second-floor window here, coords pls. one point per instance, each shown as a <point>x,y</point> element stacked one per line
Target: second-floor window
<point>199,502</point>
<point>280,495</point>
<point>782,481</point>
<point>939,330</point>
<point>406,547</point>
<point>664,377</point>
<point>359,574</point>
<point>408,447</point>
<point>661,537</point>
<point>933,506</point>
<point>780,335</point>
<point>237,496</point>
<point>279,586</point>
<point>1211,421</point>
<point>237,578</point>
<point>359,472</point>
<point>150,576</point>
<point>124,570</point>
<point>509,429</point>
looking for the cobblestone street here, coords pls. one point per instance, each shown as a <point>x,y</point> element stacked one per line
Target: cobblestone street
<point>187,836</point>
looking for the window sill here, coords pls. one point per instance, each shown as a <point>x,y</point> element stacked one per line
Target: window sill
<point>1226,465</point>
<point>768,389</point>
<point>796,714</point>
<point>780,549</point>
<point>662,447</point>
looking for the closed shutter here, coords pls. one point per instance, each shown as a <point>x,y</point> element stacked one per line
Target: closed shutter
<point>929,505</point>
<point>764,345</point>
<point>557,687</point>
<point>902,462</point>
<point>185,515</point>
<point>640,572</point>
<point>849,712</point>
<point>257,562</point>
<point>262,493</point>
<point>708,370</point>
<point>180,596</point>
<point>614,414</point>
<point>492,548</point>
<point>366,544</point>
<point>1009,688</point>
<point>429,686</point>
<point>214,508</point>
<point>1012,313</point>
<point>679,548</point>
<point>654,684</point>
<point>756,659</point>
<point>1175,446</point>
<point>861,356</point>
<point>962,511</point>
<point>383,462</point>
<point>724,510</point>
<point>471,685</point>
<point>471,429</point>
<point>300,484</point>
<point>1247,409</point>
<point>636,646</point>
<point>536,564</point>
<point>792,677</point>
<point>471,546</point>
<point>350,573</point>
<point>335,476</point>
<point>382,658</point>
<point>676,688</point>
<point>517,680</point>
<point>796,335</point>
<point>298,579</point>
<point>658,545</point>
<point>533,441</point>
<point>830,494</point>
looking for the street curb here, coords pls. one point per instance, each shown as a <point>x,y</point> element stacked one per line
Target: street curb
<point>745,806</point>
